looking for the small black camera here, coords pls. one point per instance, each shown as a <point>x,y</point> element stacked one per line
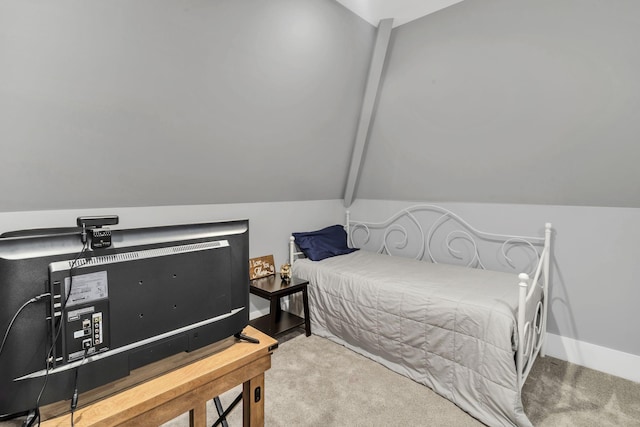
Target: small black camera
<point>100,237</point>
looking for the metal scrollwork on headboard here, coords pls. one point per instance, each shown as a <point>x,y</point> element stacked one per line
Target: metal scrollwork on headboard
<point>458,240</point>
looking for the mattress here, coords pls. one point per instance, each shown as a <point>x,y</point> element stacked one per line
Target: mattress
<point>450,328</point>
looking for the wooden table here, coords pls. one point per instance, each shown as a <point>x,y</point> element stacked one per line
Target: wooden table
<point>184,389</point>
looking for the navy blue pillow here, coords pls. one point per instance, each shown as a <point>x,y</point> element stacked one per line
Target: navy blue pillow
<point>325,243</point>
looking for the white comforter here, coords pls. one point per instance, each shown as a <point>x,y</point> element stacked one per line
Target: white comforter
<point>450,328</point>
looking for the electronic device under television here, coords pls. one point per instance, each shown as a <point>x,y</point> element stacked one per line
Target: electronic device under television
<point>123,299</point>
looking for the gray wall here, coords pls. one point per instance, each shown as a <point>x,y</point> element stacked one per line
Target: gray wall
<point>147,103</point>
<point>533,102</point>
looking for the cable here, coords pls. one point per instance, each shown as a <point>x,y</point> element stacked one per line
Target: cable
<point>30,420</point>
<point>15,316</point>
<point>57,334</point>
<point>74,398</point>
<point>73,265</point>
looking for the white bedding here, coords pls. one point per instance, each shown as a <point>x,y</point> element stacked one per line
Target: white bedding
<point>448,327</point>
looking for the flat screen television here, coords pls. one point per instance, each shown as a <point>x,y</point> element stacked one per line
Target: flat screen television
<point>112,307</point>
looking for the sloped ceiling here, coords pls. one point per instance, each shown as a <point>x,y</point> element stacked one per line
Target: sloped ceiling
<point>150,103</point>
<point>510,102</point>
<point>147,103</point>
<point>402,11</point>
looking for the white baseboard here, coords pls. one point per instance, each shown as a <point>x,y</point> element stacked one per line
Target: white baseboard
<point>258,313</point>
<point>614,362</point>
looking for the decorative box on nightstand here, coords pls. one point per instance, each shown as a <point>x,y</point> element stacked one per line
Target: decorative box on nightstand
<point>278,321</point>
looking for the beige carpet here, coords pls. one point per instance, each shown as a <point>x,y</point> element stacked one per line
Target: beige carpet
<point>558,393</point>
<point>314,382</point>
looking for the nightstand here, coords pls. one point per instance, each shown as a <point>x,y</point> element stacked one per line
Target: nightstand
<point>278,321</point>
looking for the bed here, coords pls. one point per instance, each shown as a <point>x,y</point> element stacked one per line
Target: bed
<point>463,328</point>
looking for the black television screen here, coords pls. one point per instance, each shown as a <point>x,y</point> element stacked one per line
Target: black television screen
<point>152,293</point>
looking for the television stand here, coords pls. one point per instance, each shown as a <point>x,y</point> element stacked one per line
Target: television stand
<point>185,389</point>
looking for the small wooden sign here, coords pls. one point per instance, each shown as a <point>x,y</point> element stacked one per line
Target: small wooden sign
<point>261,267</point>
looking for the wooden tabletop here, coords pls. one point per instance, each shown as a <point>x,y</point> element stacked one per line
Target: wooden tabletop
<point>275,286</point>
<point>208,372</point>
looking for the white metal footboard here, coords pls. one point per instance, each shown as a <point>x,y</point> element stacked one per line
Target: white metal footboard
<point>532,326</point>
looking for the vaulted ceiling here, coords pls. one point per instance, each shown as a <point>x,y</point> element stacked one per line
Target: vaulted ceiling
<point>117,103</point>
<point>402,11</point>
<point>510,102</point>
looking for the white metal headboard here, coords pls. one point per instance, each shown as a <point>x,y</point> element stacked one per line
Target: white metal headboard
<point>455,234</point>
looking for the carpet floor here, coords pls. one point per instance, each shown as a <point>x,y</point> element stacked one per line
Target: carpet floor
<point>315,382</point>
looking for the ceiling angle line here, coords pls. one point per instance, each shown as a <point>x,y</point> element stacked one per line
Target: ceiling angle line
<point>369,99</point>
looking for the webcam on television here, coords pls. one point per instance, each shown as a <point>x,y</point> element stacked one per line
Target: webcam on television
<point>100,237</point>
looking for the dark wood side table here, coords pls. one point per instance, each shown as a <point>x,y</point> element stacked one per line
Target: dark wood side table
<point>278,321</point>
